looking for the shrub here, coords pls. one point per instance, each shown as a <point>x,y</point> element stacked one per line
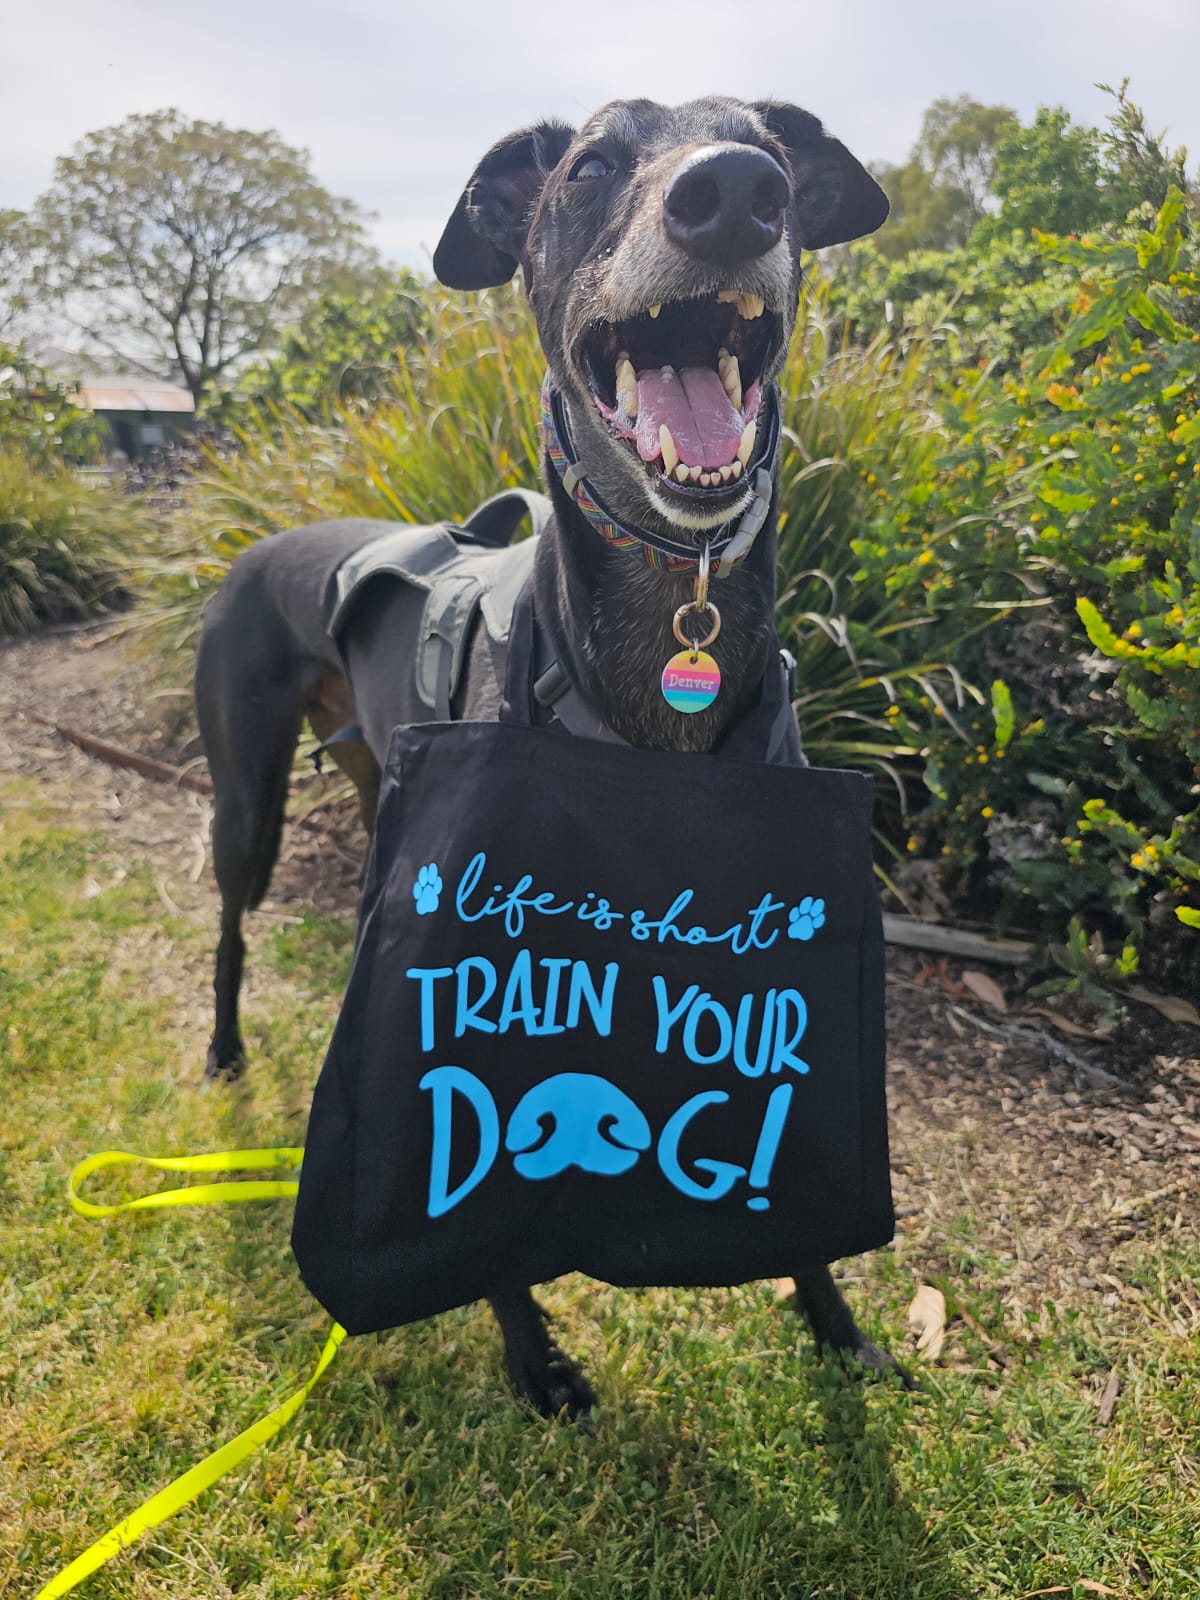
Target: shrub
<point>66,543</point>
<point>1074,792</point>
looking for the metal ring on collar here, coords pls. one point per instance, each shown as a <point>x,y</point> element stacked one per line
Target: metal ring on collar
<point>686,610</point>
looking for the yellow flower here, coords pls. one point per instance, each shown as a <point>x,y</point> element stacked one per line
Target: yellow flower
<point>1133,631</point>
<point>1152,852</point>
<point>987,812</point>
<point>1137,859</point>
<point>1126,377</point>
<point>1180,459</point>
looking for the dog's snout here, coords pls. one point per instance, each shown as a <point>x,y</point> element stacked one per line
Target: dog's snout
<point>725,204</point>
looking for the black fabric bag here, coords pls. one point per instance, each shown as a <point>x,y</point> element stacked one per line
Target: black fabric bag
<point>611,1010</point>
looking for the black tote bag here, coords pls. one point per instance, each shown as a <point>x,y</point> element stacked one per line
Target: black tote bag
<point>611,1010</point>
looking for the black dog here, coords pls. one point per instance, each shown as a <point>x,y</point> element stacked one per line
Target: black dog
<point>661,252</point>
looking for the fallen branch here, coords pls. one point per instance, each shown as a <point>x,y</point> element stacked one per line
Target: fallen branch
<point>953,941</point>
<point>114,756</point>
<point>1095,1077</point>
<point>147,767</point>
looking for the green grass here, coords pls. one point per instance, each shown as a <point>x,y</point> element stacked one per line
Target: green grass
<point>725,1461</point>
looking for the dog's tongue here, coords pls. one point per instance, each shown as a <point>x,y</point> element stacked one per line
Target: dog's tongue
<point>704,422</point>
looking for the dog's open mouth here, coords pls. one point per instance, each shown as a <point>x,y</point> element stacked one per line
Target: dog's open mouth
<point>683,384</point>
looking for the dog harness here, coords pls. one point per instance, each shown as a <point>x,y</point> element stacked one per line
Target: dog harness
<point>463,569</point>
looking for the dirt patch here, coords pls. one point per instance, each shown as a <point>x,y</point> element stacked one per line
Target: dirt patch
<point>998,1151</point>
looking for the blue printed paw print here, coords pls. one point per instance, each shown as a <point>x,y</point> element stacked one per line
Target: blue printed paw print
<point>427,891</point>
<point>806,918</point>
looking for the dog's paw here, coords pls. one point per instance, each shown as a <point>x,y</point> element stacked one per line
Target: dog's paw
<point>806,918</point>
<point>427,891</point>
<point>224,1065</point>
<point>553,1385</point>
<point>872,1359</point>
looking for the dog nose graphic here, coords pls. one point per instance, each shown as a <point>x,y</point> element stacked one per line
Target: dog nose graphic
<point>725,204</point>
<point>592,1125</point>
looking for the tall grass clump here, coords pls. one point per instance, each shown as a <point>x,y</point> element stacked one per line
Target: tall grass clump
<point>67,543</point>
<point>864,424</point>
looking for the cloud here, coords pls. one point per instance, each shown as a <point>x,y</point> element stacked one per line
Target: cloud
<point>397,101</point>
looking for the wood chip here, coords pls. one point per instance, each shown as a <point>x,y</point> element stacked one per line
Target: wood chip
<point>927,1319</point>
<point>1108,1400</point>
<point>985,989</point>
<point>785,1288</point>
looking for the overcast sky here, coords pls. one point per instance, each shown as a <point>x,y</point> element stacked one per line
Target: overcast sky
<point>396,100</point>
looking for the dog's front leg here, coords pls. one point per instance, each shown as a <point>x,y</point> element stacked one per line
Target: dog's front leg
<point>539,1371</point>
<point>821,1304</point>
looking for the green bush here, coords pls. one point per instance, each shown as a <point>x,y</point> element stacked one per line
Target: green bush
<point>67,543</point>
<point>1074,792</point>
<point>38,416</point>
<point>345,349</point>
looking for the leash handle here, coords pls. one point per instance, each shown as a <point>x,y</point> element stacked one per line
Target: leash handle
<point>184,1489</point>
<point>287,1157</point>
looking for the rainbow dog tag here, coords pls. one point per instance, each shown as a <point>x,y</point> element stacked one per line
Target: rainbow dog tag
<point>691,681</point>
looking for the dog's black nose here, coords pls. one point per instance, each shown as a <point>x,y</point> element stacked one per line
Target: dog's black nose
<point>725,204</point>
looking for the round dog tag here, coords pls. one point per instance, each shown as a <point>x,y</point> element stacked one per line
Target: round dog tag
<point>691,681</point>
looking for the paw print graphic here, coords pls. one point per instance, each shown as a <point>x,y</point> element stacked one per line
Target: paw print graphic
<point>806,918</point>
<point>427,891</point>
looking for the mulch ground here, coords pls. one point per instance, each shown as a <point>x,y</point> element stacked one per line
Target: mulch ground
<point>999,1149</point>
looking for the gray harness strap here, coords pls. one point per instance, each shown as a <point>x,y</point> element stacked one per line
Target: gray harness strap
<point>462,568</point>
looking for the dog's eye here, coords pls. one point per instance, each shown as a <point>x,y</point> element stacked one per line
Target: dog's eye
<point>590,167</point>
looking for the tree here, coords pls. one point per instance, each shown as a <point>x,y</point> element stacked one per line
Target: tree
<point>941,192</point>
<point>1064,177</point>
<point>14,265</point>
<point>958,143</point>
<point>1141,168</point>
<point>1051,176</point>
<point>183,247</point>
<point>345,347</point>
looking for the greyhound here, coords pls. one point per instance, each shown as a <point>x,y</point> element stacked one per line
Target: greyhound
<point>661,251</point>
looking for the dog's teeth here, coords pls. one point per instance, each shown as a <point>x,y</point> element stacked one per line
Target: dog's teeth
<point>706,479</point>
<point>735,470</point>
<point>654,310</point>
<point>681,472</point>
<point>725,474</point>
<point>627,397</point>
<point>694,473</point>
<point>670,454</point>
<point>731,377</point>
<point>747,443</point>
<point>751,306</point>
<point>730,296</point>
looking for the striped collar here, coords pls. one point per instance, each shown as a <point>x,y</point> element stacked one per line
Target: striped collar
<point>730,545</point>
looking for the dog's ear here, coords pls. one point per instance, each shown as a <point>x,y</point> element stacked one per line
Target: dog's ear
<point>836,197</point>
<point>482,243</point>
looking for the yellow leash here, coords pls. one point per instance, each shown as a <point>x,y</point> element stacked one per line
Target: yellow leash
<point>196,1479</point>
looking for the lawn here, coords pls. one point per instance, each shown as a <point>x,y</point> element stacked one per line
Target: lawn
<point>725,1461</point>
